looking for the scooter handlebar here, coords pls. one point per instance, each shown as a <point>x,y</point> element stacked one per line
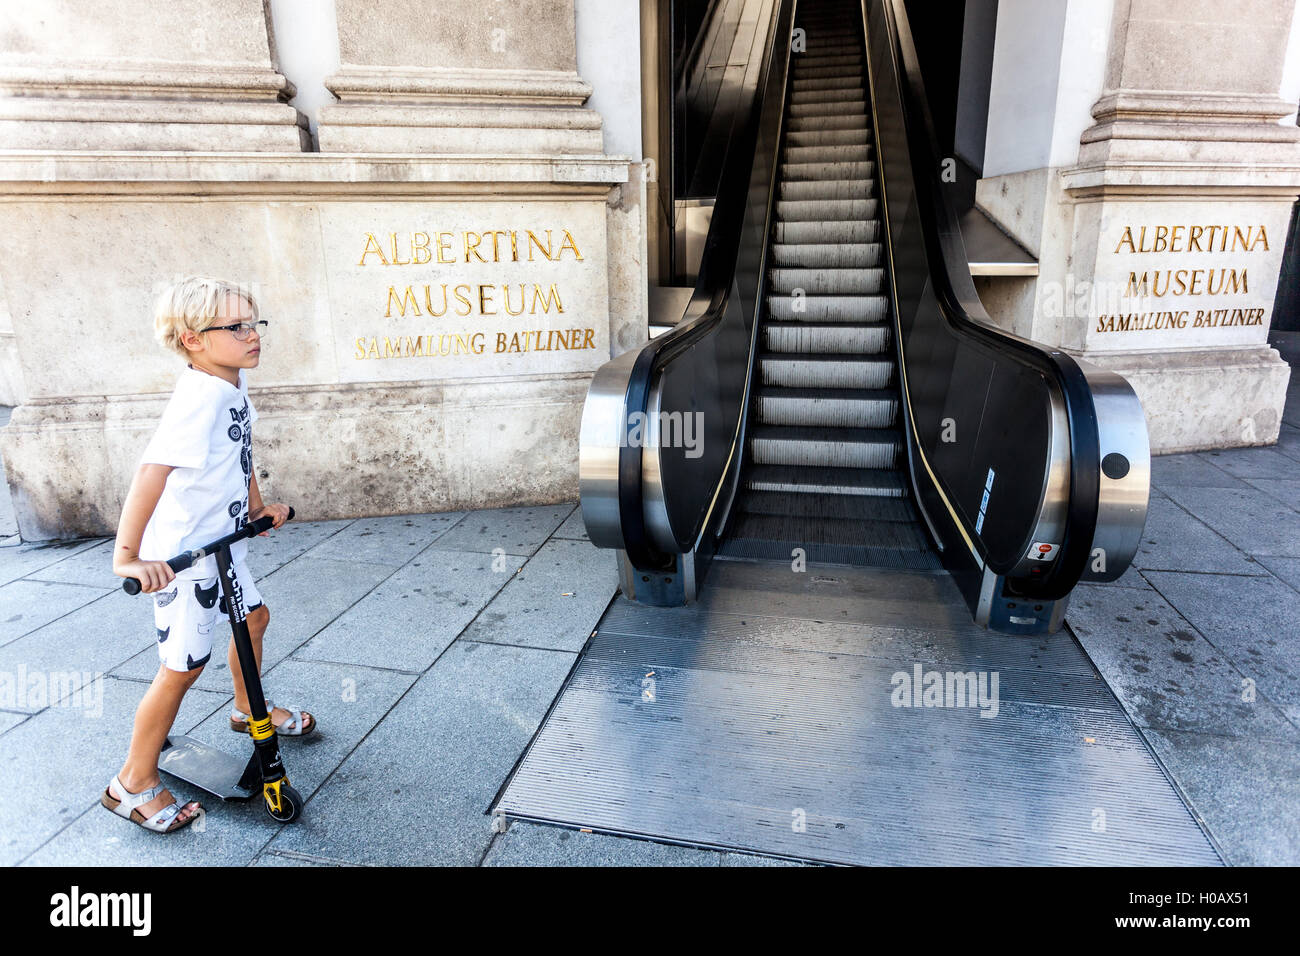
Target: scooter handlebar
<point>182,561</point>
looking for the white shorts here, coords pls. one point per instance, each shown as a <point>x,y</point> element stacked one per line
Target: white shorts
<point>188,610</point>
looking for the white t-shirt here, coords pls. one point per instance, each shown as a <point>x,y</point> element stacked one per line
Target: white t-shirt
<point>206,436</point>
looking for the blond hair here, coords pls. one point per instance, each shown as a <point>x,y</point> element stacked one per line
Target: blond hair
<point>195,303</point>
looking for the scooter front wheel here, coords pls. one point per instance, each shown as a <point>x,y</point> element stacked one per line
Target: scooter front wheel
<point>291,804</point>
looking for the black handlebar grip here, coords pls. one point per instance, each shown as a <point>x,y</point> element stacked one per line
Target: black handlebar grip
<point>132,586</point>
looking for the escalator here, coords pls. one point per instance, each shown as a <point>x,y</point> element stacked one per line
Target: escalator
<point>849,513</point>
<point>824,456</point>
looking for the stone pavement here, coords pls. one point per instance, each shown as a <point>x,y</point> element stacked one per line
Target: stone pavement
<point>1200,640</point>
<point>428,646</point>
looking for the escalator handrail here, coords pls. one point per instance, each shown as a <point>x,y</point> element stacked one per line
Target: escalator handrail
<point>961,310</point>
<point>705,309</point>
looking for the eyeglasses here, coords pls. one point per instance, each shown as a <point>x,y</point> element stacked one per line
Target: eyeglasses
<point>241,330</point>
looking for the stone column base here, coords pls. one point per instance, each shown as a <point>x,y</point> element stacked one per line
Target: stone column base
<point>1196,400</point>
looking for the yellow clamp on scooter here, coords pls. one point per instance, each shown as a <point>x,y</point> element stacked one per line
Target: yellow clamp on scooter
<point>261,729</point>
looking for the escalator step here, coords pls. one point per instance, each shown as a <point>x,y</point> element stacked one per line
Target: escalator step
<point>804,530</point>
<point>802,189</point>
<point>826,255</point>
<point>827,281</point>
<point>859,507</point>
<point>819,446</point>
<point>803,61</point>
<point>863,556</point>
<point>826,481</point>
<point>845,82</point>
<point>821,210</point>
<point>833,407</point>
<point>828,154</point>
<point>821,172</point>
<point>826,232</point>
<point>828,137</point>
<point>846,108</point>
<point>816,124</point>
<point>825,371</point>
<point>829,96</point>
<point>822,72</point>
<point>828,308</point>
<point>831,339</point>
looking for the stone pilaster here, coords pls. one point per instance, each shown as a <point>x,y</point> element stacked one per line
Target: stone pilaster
<point>459,77</point>
<point>142,75</point>
<point>1160,244</point>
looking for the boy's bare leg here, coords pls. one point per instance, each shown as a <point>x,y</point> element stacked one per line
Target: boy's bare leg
<point>153,721</point>
<point>257,622</point>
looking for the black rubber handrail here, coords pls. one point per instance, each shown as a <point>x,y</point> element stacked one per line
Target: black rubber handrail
<point>949,269</point>
<point>706,307</point>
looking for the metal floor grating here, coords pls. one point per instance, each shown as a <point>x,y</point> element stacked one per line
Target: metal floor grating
<point>773,696</point>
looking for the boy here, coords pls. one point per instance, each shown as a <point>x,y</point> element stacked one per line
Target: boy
<point>195,483</point>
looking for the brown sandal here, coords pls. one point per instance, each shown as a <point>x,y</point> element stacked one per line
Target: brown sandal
<point>165,820</point>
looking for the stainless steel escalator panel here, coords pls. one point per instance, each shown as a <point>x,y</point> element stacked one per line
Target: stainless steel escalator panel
<point>764,719</point>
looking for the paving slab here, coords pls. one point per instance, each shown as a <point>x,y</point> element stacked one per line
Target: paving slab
<point>24,559</point>
<point>304,596</point>
<point>437,759</point>
<point>233,833</point>
<point>409,619</point>
<point>1288,441</point>
<point>1252,520</point>
<point>279,547</point>
<point>1251,620</point>
<point>1246,790</point>
<point>554,602</point>
<point>27,604</point>
<point>1249,463</point>
<point>392,540</point>
<point>77,754</point>
<point>1285,490</point>
<point>1175,540</point>
<point>91,566</point>
<point>1285,569</point>
<point>95,639</point>
<point>10,720</point>
<point>1166,673</point>
<point>573,528</point>
<point>518,531</point>
<point>1190,471</point>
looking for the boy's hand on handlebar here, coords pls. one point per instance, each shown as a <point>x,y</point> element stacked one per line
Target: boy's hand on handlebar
<point>152,575</point>
<point>278,511</point>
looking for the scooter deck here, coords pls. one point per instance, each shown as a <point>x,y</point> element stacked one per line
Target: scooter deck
<point>210,769</point>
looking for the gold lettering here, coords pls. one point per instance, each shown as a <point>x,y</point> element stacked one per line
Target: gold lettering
<point>587,336</point>
<point>371,241</point>
<point>444,248</point>
<point>1134,289</point>
<point>392,238</point>
<point>418,246</point>
<point>1194,238</point>
<point>361,348</point>
<point>552,294</point>
<point>1261,237</point>
<point>408,296</point>
<point>428,302</point>
<point>1126,239</point>
<point>473,246</point>
<point>484,300</point>
<point>506,291</point>
<point>534,241</point>
<point>463,298</point>
<point>568,243</point>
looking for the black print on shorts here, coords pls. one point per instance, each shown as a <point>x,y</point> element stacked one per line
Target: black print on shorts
<point>163,632</point>
<point>166,597</point>
<point>192,664</point>
<point>246,460</point>
<point>206,596</point>
<point>235,432</point>
<point>234,508</point>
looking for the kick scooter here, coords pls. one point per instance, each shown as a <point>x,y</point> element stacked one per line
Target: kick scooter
<point>206,767</point>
